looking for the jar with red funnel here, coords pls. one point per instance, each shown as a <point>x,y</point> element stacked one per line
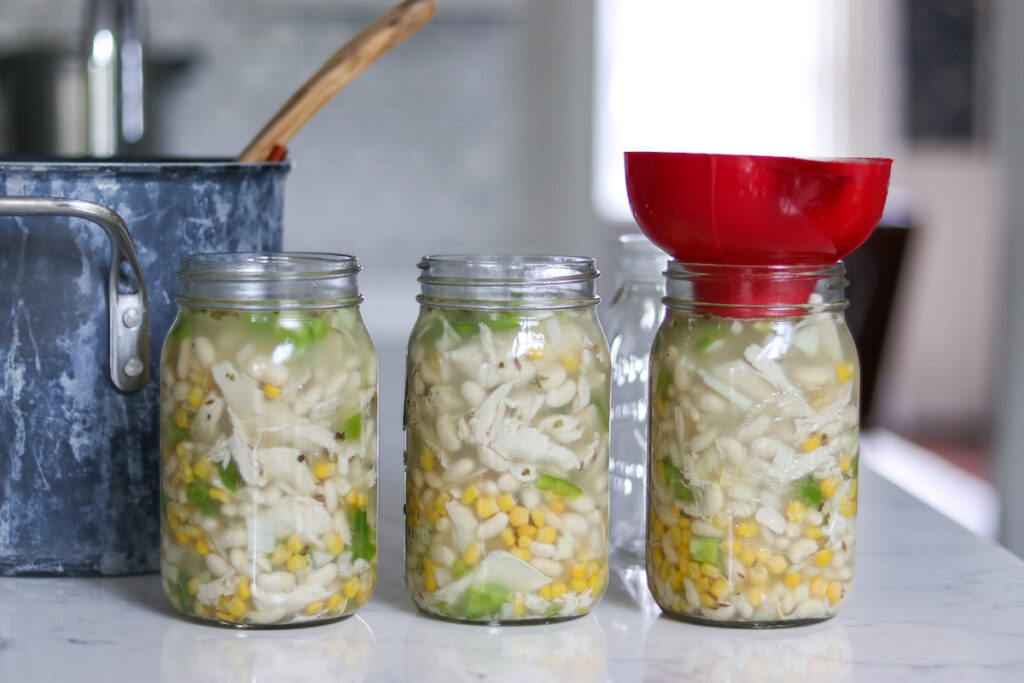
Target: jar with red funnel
<point>753,410</point>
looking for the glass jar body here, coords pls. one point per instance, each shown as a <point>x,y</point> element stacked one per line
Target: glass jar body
<point>268,460</point>
<point>631,321</point>
<point>506,462</point>
<point>752,482</point>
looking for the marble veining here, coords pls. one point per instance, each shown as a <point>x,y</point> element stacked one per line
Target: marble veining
<point>78,466</point>
<point>932,602</point>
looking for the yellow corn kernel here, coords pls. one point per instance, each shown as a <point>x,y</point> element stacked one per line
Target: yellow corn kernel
<point>845,507</point>
<point>182,537</point>
<point>179,450</point>
<point>203,469</point>
<point>659,403</point>
<point>224,616</point>
<point>435,363</point>
<point>796,512</point>
<point>186,473</point>
<point>363,500</point>
<point>762,555</point>
<point>776,564</point>
<point>363,595</point>
<point>707,601</point>
<point>429,565</point>
<point>471,555</point>
<point>518,516</point>
<point>429,582</point>
<point>703,584</point>
<point>181,418</point>
<point>693,569</point>
<point>594,583</point>
<point>535,353</point>
<point>578,571</point>
<point>664,571</point>
<point>196,396</point>
<point>427,459</point>
<point>193,586</point>
<point>558,589</point>
<point>486,507</point>
<point>524,541</point>
<point>578,585</point>
<point>853,491</point>
<point>219,494</point>
<point>271,391</point>
<point>755,597</point>
<point>720,521</point>
<point>819,587</point>
<point>747,556</point>
<point>508,536</point>
<point>829,486</point>
<point>683,551</point>
<point>746,529</point>
<point>720,588</point>
<point>834,592</point>
<point>813,532</point>
<point>556,505</point>
<point>522,553</point>
<point>812,443</point>
<point>792,579</point>
<point>527,530</point>
<point>675,579</point>
<point>822,557</point>
<point>506,502</point>
<point>201,610</point>
<point>194,531</point>
<point>352,586</point>
<point>352,498</point>
<point>684,522</point>
<point>537,517</point>
<point>547,534</point>
<point>758,575</point>
<point>323,469</point>
<point>545,591</point>
<point>844,464</point>
<point>518,607</point>
<point>469,495</point>
<point>202,548</point>
<point>294,544</point>
<point>242,589</point>
<point>570,362</point>
<point>280,555</point>
<point>710,570</point>
<point>236,607</point>
<point>333,544</point>
<point>844,371</point>
<point>657,556</point>
<point>296,563</point>
<point>333,602</point>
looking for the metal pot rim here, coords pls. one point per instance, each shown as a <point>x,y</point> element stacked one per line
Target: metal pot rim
<point>142,166</point>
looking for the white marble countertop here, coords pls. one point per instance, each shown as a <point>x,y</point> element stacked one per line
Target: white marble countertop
<point>932,602</point>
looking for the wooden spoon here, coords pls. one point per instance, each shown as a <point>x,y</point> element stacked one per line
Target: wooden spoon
<point>387,32</point>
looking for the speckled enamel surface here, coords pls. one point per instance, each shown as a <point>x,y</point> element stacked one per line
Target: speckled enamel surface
<point>78,459</point>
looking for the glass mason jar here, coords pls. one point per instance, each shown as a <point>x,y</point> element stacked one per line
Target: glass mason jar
<point>631,320</point>
<point>268,401</point>
<point>752,480</point>
<point>506,423</point>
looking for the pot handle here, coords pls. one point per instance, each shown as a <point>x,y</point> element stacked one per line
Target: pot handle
<point>127,303</point>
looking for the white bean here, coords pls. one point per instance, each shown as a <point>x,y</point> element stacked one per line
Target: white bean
<point>204,351</point>
<point>702,440</point>
<point>575,524</point>
<point>267,616</point>
<point>184,360</point>
<point>702,528</point>
<point>507,483</point>
<point>552,377</point>
<point>713,501</point>
<point>546,550</point>
<point>493,526</point>
<point>711,404</point>
<point>548,567</point>
<point>446,433</point>
<point>770,518</point>
<point>236,537</point>
<point>531,499</point>
<point>556,398</point>
<point>582,503</point>
<point>322,576</point>
<point>731,449</point>
<point>459,470</point>
<point>217,565</point>
<point>276,582</point>
<point>442,554</point>
<point>473,393</point>
<point>330,496</point>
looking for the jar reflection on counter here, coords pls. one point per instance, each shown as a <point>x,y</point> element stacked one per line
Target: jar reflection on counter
<point>268,441</point>
<point>753,447</point>
<point>506,420</point>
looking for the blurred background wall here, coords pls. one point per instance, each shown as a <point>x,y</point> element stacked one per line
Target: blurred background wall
<point>498,126</point>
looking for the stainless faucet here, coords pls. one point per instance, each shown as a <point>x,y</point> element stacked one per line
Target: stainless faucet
<point>114,76</point>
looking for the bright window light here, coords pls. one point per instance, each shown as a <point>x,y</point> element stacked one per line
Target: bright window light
<point>726,76</point>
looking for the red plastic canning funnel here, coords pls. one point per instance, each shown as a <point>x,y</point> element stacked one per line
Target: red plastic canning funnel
<point>754,210</point>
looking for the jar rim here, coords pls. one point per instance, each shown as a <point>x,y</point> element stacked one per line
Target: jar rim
<point>264,280</point>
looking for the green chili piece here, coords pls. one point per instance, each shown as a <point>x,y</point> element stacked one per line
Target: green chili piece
<point>557,486</point>
<point>663,383</point>
<point>552,611</point>
<point>179,590</point>
<point>602,411</point>
<point>352,426</point>
<point>459,568</point>
<point>198,494</point>
<point>229,476</point>
<point>704,549</point>
<point>482,600</point>
<point>680,487</point>
<point>809,493</point>
<point>364,540</point>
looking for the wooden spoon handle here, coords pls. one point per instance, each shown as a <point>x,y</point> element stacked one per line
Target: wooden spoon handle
<point>387,32</point>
